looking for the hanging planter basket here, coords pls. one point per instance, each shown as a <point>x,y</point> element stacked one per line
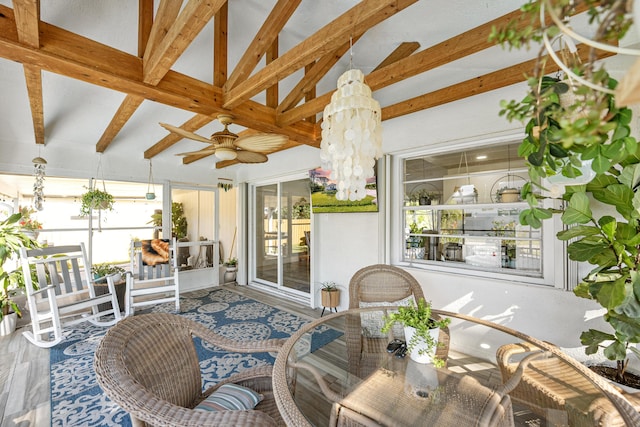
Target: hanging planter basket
<point>96,199</point>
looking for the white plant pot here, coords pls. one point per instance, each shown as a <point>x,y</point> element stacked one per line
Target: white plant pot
<point>426,357</point>
<point>8,324</point>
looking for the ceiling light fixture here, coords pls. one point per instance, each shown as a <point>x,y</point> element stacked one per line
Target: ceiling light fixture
<point>224,153</point>
<point>351,135</point>
<point>481,157</point>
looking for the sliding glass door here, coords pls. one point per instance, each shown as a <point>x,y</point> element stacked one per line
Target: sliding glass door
<point>281,222</point>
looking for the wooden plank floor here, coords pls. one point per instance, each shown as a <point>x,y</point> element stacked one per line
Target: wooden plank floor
<point>24,369</point>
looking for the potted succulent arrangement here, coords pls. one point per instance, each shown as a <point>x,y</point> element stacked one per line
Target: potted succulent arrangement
<point>585,150</point>
<point>12,237</point>
<point>421,330</point>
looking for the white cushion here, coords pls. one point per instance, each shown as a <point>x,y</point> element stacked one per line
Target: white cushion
<point>372,322</point>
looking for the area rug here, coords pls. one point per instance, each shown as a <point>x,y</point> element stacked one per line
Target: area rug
<point>77,400</point>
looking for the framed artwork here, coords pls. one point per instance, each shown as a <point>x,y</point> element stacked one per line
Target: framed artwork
<point>323,195</point>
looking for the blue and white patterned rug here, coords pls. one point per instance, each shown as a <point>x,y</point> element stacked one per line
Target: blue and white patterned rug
<point>76,398</point>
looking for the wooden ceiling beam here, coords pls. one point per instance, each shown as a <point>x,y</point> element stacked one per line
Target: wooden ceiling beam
<point>485,83</point>
<point>131,102</point>
<point>358,19</point>
<point>272,91</point>
<point>263,40</point>
<point>167,13</point>
<point>145,23</point>
<point>404,50</point>
<point>27,16</point>
<point>457,47</point>
<point>124,113</point>
<point>191,20</point>
<point>310,94</point>
<point>33,78</point>
<point>77,57</point>
<point>220,45</point>
<point>313,75</point>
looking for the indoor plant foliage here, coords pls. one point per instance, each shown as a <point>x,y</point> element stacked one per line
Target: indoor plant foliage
<point>418,316</point>
<point>330,294</point>
<point>26,221</point>
<point>95,198</point>
<point>101,271</point>
<point>588,135</point>
<point>12,237</point>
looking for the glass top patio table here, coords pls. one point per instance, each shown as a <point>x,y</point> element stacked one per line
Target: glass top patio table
<point>494,376</point>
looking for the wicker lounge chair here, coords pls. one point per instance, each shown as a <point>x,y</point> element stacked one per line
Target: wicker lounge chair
<point>380,284</point>
<point>148,365</point>
<point>557,392</point>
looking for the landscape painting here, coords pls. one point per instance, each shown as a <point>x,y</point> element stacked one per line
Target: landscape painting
<point>323,195</point>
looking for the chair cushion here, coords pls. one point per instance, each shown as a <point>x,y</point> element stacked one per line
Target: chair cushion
<point>230,397</point>
<point>372,322</point>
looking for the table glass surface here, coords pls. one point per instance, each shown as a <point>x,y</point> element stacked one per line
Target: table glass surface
<point>353,380</point>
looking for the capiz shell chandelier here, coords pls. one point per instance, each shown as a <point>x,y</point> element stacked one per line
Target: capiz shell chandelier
<point>351,136</point>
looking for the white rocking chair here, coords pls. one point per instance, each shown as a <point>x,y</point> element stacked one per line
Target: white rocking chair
<point>152,282</point>
<point>63,293</point>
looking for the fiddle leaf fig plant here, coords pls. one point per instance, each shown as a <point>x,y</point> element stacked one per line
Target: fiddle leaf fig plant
<point>580,140</point>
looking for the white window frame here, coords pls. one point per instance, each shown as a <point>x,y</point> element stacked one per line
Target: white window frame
<point>554,264</point>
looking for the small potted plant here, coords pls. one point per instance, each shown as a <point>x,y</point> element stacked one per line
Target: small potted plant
<point>30,225</point>
<point>421,330</point>
<point>101,271</point>
<point>12,237</point>
<point>330,295</point>
<point>231,270</point>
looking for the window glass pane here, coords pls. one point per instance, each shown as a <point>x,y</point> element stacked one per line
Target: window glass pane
<point>462,210</point>
<point>192,222</point>
<point>295,222</point>
<point>266,246</point>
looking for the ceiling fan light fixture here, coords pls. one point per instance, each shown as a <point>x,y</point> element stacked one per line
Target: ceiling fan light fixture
<point>226,153</point>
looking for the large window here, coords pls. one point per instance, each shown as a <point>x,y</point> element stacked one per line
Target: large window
<point>460,213</point>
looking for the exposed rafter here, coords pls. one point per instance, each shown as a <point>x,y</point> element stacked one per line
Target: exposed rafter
<point>167,27</point>
<point>356,20</point>
<point>27,13</point>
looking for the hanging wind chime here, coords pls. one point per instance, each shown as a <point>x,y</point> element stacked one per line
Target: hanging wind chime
<point>38,186</point>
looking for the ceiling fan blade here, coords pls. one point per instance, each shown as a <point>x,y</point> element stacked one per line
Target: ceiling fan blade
<point>208,150</point>
<point>261,142</point>
<point>185,133</point>
<point>250,157</point>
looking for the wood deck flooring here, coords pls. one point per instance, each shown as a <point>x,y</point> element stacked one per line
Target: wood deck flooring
<point>24,370</point>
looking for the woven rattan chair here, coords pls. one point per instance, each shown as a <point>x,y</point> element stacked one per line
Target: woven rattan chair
<point>555,391</point>
<point>148,365</point>
<point>380,284</point>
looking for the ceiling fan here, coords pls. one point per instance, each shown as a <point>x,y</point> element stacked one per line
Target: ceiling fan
<point>226,145</point>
